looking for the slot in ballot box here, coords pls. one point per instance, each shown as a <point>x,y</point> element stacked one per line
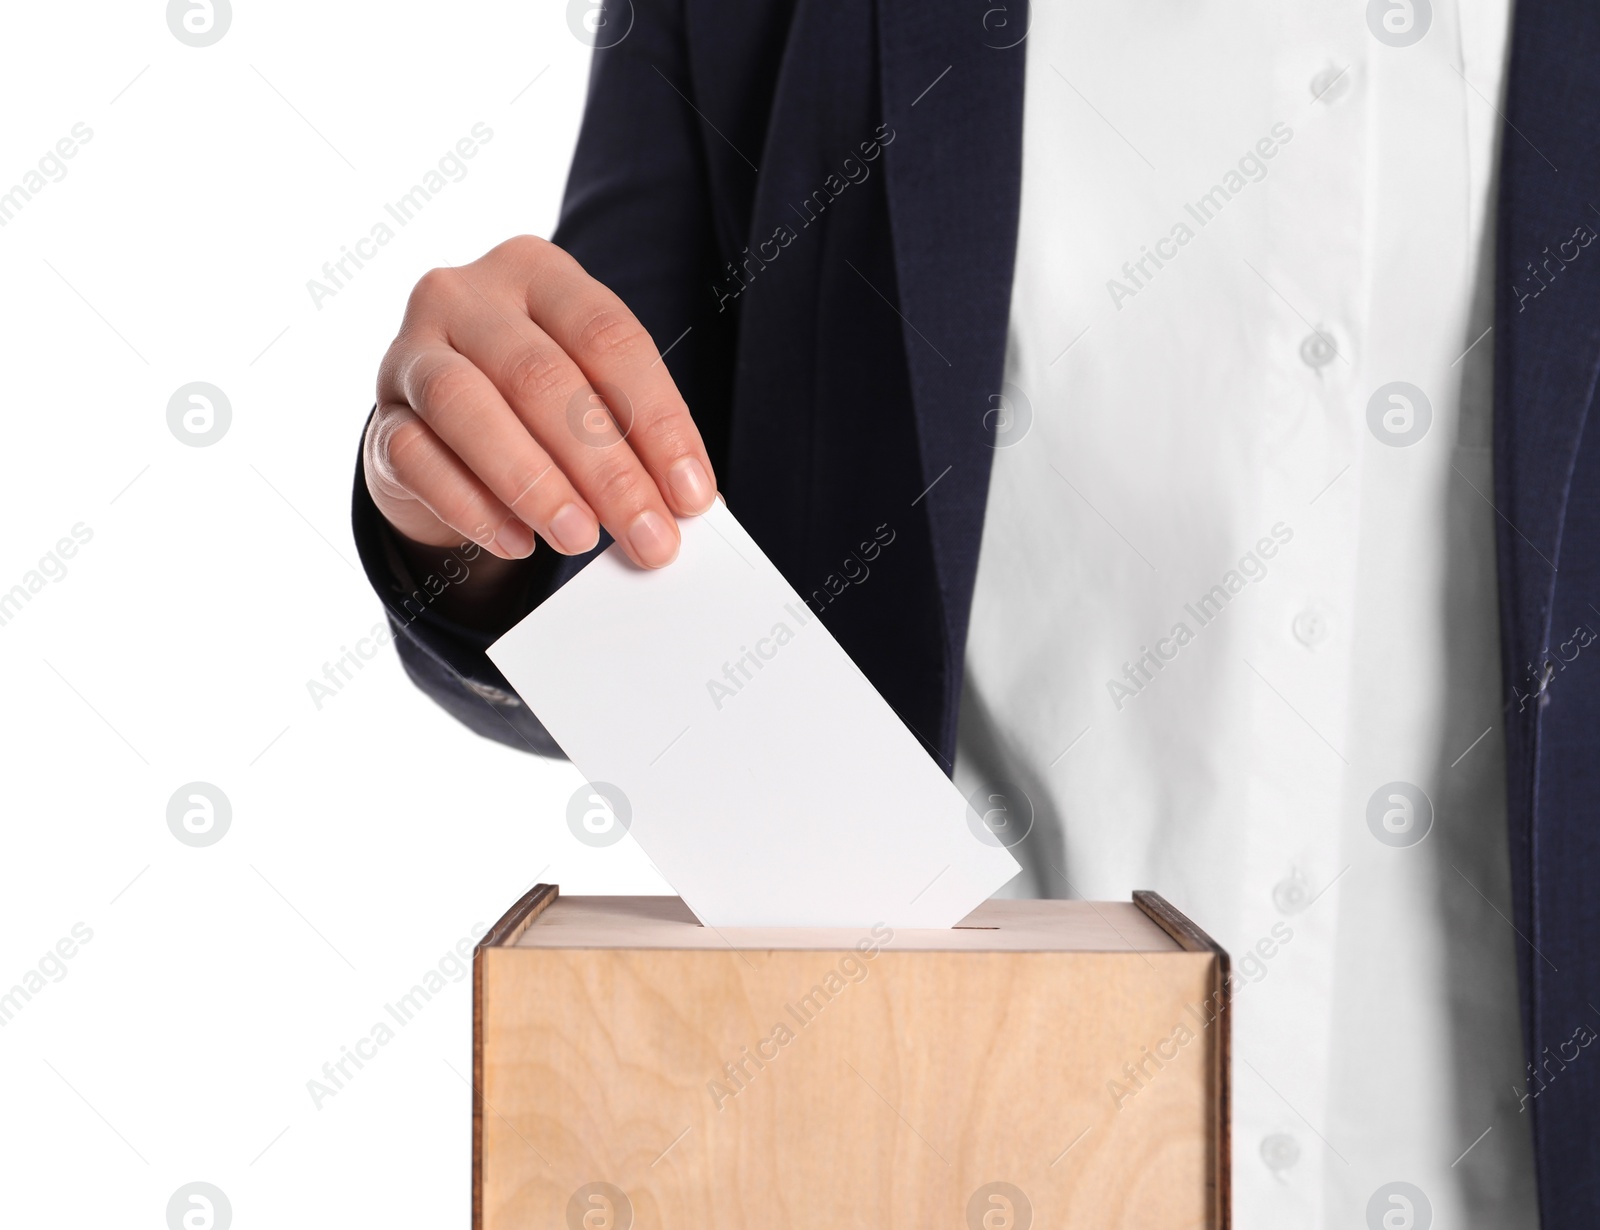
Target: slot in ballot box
<point>1045,1063</point>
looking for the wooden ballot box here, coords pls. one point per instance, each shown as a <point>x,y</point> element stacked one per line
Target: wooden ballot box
<point>1044,1064</point>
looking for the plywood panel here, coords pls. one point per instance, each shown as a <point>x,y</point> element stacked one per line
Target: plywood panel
<point>752,1090</point>
<point>999,925</point>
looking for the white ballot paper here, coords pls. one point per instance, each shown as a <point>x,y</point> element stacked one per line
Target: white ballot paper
<point>763,775</point>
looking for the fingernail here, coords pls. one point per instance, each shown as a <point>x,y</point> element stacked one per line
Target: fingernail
<point>514,539</point>
<point>652,540</point>
<point>691,484</point>
<point>573,530</point>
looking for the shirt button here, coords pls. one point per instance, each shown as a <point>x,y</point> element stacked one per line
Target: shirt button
<point>1293,894</point>
<point>1330,84</point>
<point>1310,628</point>
<point>1280,1151</point>
<point>1317,350</point>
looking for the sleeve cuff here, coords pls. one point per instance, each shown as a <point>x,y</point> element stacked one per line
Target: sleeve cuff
<point>443,657</point>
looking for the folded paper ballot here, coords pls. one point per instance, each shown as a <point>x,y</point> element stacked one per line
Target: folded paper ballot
<point>755,765</point>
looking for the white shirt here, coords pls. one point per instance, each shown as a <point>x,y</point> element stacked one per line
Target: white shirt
<point>1236,580</point>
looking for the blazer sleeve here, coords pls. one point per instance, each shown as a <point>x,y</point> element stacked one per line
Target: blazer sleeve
<point>637,214</point>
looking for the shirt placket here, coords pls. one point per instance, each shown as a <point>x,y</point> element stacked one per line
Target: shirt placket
<point>1314,239</point>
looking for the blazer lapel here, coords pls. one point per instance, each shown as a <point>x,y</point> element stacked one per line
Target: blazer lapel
<point>1546,359</point>
<point>1548,299</point>
<point>951,75</point>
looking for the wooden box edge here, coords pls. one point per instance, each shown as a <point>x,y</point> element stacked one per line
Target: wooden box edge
<point>1191,938</point>
<point>511,925</point>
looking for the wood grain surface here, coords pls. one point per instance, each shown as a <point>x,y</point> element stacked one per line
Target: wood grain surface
<point>832,1088</point>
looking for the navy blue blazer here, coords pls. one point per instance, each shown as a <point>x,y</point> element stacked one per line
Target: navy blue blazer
<point>779,180</point>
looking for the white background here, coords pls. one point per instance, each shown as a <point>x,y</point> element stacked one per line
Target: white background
<point>369,836</point>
